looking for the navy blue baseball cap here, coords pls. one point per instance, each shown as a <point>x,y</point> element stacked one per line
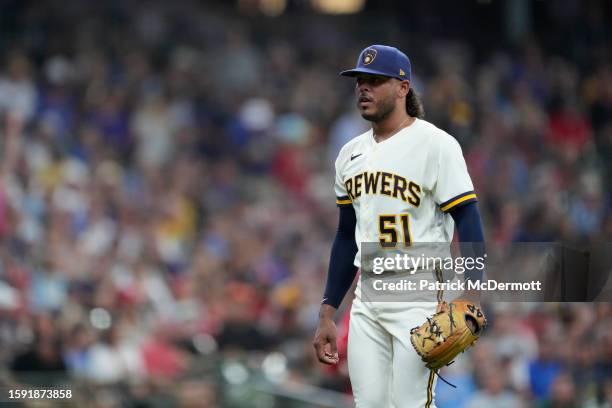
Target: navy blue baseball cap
<point>382,60</point>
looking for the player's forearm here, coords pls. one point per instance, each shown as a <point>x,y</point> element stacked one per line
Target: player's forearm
<point>471,236</point>
<point>342,270</point>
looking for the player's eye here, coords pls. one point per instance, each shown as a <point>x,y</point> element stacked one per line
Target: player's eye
<point>366,80</point>
<point>370,80</point>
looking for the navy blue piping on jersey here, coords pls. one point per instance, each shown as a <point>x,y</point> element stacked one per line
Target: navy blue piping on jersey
<point>342,270</point>
<point>344,200</point>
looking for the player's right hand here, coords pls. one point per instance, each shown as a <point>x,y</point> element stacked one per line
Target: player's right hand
<point>325,341</point>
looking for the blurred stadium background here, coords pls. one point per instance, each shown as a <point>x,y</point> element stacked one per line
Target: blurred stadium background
<point>166,203</point>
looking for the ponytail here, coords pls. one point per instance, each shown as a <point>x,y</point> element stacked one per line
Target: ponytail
<point>414,107</point>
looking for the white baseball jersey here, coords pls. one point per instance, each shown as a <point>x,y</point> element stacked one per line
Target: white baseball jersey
<point>403,187</point>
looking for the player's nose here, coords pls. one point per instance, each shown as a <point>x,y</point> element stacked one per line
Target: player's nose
<point>363,89</point>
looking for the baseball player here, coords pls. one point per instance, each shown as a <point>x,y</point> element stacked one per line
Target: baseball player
<point>404,181</point>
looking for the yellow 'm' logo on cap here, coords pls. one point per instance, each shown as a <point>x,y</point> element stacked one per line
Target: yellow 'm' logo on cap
<point>369,55</point>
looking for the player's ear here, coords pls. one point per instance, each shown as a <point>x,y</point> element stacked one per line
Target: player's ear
<point>404,87</point>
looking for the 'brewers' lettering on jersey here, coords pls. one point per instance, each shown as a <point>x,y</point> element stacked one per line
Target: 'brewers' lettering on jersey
<point>381,182</point>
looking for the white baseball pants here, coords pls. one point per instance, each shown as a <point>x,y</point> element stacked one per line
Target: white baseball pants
<point>384,368</point>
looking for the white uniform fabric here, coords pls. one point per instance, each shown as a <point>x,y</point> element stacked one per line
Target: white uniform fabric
<point>405,184</point>
<point>384,369</point>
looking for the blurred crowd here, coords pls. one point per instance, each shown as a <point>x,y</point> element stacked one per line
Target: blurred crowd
<point>166,195</point>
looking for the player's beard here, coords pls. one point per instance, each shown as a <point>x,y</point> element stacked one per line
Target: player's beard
<point>382,110</point>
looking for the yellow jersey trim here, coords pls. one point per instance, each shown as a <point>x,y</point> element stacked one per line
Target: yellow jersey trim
<point>458,201</point>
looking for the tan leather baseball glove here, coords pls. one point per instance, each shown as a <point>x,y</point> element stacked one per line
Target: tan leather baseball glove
<point>453,328</point>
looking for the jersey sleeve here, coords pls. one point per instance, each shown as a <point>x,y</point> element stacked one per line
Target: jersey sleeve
<point>453,186</point>
<point>342,196</point>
